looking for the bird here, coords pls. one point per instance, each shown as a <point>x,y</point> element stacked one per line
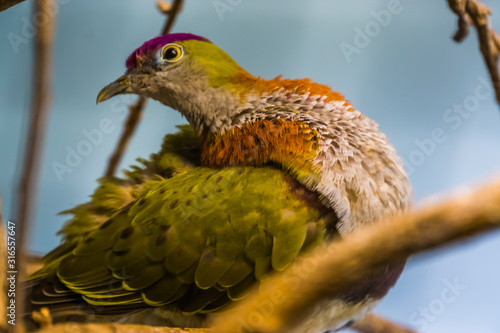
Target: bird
<point>264,171</point>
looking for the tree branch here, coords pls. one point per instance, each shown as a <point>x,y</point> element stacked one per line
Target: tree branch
<point>375,324</point>
<point>115,328</point>
<point>336,267</point>
<point>134,116</point>
<point>6,4</point>
<point>136,109</point>
<point>3,270</point>
<point>1,216</point>
<point>371,324</point>
<point>474,12</point>
<point>40,107</point>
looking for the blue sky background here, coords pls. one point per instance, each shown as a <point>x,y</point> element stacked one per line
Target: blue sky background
<point>409,76</point>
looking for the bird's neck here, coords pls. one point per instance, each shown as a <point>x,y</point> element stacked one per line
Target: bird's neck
<point>221,105</point>
<point>284,92</point>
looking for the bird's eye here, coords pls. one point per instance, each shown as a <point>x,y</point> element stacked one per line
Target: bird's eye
<point>172,53</point>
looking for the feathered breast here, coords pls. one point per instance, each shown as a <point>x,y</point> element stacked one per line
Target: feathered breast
<point>286,142</point>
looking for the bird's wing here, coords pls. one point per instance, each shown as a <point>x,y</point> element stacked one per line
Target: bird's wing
<point>180,151</point>
<point>197,240</point>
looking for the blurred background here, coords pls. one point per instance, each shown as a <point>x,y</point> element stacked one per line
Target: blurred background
<point>395,60</point>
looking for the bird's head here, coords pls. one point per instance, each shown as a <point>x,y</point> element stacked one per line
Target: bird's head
<point>186,72</point>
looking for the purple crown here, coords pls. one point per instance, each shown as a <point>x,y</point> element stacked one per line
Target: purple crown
<point>154,44</point>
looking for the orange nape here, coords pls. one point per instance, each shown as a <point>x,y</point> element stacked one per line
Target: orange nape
<point>298,86</point>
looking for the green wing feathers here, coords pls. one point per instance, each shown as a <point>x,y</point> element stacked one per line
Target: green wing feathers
<point>176,233</point>
<point>179,152</point>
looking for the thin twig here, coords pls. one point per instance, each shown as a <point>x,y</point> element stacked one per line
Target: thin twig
<point>134,116</point>
<point>335,268</point>
<point>40,106</point>
<point>172,14</point>
<point>375,324</point>
<point>136,109</point>
<point>474,12</point>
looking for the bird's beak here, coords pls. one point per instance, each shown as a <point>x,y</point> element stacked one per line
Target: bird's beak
<point>126,84</point>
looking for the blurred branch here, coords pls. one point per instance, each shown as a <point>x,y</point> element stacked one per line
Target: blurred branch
<point>134,116</point>
<point>172,11</point>
<point>115,328</point>
<point>3,270</point>
<point>1,217</point>
<point>32,263</point>
<point>374,324</point>
<point>335,268</point>
<point>371,324</point>
<point>6,4</point>
<point>40,106</point>
<point>475,13</point>
<point>136,109</point>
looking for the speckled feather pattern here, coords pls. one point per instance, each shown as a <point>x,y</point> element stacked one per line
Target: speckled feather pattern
<point>359,172</point>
